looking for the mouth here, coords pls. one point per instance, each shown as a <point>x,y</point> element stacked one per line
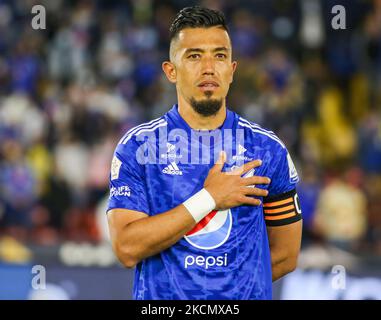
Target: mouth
<point>208,85</point>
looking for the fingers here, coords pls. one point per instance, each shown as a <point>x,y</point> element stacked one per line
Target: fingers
<point>251,201</point>
<point>254,180</point>
<point>220,162</point>
<point>254,191</point>
<point>246,167</point>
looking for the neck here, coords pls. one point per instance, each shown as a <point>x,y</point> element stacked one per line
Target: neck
<point>197,121</point>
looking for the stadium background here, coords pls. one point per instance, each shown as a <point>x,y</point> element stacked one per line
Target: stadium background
<point>67,93</point>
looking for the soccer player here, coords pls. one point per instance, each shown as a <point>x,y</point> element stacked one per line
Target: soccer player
<point>195,221</point>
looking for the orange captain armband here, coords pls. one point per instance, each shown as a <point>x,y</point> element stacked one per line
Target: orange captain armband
<point>282,209</point>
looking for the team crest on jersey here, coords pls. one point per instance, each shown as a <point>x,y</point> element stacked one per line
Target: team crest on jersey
<point>170,147</point>
<point>212,231</point>
<point>171,153</point>
<point>115,168</point>
<point>248,174</point>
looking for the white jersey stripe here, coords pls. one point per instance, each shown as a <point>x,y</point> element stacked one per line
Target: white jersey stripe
<point>255,126</point>
<point>258,127</point>
<point>134,129</point>
<point>157,125</point>
<point>143,125</point>
<point>262,132</point>
<point>147,125</point>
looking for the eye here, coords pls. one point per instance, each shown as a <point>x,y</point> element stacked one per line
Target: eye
<point>221,56</point>
<point>194,56</point>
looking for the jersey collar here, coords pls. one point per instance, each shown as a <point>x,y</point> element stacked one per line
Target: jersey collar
<point>179,122</point>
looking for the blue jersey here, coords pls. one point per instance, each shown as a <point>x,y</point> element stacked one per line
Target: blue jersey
<point>160,164</point>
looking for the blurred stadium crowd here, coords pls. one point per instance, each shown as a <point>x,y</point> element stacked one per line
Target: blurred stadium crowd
<point>69,92</point>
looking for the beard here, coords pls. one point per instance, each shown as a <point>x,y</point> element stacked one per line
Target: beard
<point>207,107</point>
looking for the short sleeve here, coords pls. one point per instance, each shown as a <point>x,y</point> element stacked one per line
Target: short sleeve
<point>127,180</point>
<point>281,206</point>
<point>285,177</point>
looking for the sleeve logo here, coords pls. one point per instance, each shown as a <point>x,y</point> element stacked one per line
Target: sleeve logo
<point>122,191</point>
<point>115,168</point>
<point>292,170</point>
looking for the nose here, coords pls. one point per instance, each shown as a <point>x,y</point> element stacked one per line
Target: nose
<point>208,66</point>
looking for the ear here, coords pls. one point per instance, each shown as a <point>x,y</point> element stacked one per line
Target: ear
<point>170,71</point>
<point>234,67</point>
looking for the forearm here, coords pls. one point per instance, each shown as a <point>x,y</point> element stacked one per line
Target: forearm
<point>279,270</point>
<point>148,236</point>
<point>284,244</point>
<point>281,265</point>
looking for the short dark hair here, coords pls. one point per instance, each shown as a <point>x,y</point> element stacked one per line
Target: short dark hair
<point>196,17</point>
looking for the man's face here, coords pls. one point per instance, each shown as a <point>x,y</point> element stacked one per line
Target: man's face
<point>202,67</point>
